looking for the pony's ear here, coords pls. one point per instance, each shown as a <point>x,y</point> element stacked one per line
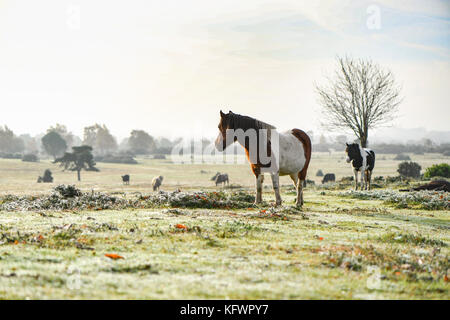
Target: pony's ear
<point>346,144</point>
<point>229,111</point>
<point>222,114</point>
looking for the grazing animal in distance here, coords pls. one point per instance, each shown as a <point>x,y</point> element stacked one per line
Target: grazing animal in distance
<point>126,179</point>
<point>215,176</point>
<point>436,185</point>
<point>286,153</point>
<point>47,178</point>
<point>221,178</point>
<point>329,177</point>
<point>363,161</point>
<point>156,182</point>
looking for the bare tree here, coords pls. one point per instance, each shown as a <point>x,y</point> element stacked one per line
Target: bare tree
<point>359,97</point>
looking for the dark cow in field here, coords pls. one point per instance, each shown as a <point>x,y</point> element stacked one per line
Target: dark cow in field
<point>220,178</point>
<point>156,182</point>
<point>126,179</point>
<point>329,177</point>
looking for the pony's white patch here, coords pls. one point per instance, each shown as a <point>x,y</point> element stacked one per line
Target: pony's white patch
<point>291,154</point>
<point>348,159</point>
<point>364,157</point>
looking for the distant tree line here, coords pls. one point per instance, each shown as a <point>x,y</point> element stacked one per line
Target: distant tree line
<point>57,140</point>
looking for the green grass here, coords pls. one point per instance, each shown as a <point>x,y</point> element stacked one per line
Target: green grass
<point>335,248</point>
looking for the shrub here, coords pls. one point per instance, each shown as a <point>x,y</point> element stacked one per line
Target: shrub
<point>438,170</point>
<point>402,157</point>
<point>347,179</point>
<point>67,191</point>
<point>427,200</point>
<point>409,169</point>
<point>446,153</point>
<point>159,156</point>
<point>10,155</point>
<point>122,158</point>
<point>47,177</point>
<point>319,173</point>
<point>378,179</point>
<point>395,179</point>
<point>30,158</point>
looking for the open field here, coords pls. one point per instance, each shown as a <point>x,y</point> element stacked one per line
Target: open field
<point>19,177</point>
<point>336,247</point>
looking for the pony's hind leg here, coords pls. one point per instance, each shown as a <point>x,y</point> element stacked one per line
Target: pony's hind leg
<point>369,174</point>
<point>298,183</point>
<point>294,178</point>
<point>366,179</point>
<point>363,178</point>
<point>276,187</point>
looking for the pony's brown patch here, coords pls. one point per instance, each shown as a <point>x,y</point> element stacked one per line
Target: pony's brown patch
<point>306,141</point>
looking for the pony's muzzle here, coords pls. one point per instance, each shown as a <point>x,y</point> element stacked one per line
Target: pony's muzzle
<point>219,143</point>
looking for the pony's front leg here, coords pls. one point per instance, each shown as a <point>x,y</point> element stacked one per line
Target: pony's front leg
<point>276,187</point>
<point>355,173</point>
<point>259,182</point>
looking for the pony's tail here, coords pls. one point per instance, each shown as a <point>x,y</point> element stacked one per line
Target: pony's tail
<point>307,148</point>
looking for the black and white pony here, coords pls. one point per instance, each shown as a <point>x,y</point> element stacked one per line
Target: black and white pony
<point>363,161</point>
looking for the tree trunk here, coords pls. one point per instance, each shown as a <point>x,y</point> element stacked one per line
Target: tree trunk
<point>363,140</point>
<point>78,173</point>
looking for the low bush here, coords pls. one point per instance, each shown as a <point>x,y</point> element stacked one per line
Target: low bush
<point>120,158</point>
<point>438,170</point>
<point>68,197</point>
<point>409,169</point>
<point>402,157</point>
<point>30,158</point>
<point>428,200</point>
<point>6,155</point>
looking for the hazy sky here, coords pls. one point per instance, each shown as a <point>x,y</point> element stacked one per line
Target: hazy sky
<point>169,66</point>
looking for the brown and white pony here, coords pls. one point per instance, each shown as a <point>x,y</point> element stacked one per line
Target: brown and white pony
<point>286,153</point>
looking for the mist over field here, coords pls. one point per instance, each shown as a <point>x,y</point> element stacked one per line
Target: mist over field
<point>203,149</point>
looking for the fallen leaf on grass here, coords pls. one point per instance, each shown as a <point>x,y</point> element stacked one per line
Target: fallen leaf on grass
<point>113,256</point>
<point>181,226</point>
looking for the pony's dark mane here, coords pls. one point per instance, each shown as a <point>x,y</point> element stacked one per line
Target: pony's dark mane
<point>238,121</point>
